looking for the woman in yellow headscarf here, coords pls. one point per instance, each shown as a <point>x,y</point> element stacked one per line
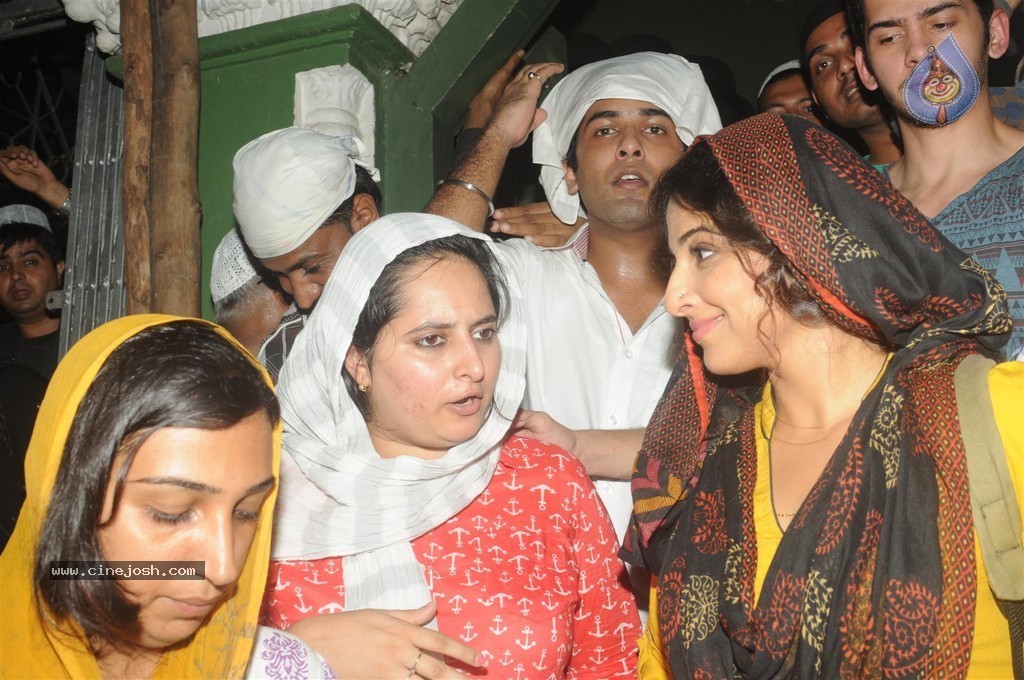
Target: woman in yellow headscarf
<point>157,445</point>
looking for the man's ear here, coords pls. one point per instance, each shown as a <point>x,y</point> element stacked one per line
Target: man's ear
<point>570,179</point>
<point>60,271</point>
<point>999,34</point>
<point>867,78</point>
<point>355,364</point>
<point>364,211</point>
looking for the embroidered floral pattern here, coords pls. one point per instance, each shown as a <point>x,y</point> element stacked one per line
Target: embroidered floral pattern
<point>284,658</point>
<point>701,616</point>
<point>885,434</point>
<point>709,516</point>
<point>843,246</point>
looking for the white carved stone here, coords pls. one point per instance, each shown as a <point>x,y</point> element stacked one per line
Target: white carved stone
<point>336,100</point>
<point>414,22</point>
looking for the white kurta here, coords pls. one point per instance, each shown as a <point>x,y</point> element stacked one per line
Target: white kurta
<point>584,365</point>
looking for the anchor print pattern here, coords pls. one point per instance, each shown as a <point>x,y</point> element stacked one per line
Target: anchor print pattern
<point>527,574</point>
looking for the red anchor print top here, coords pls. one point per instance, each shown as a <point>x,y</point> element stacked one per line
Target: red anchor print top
<point>527,574</point>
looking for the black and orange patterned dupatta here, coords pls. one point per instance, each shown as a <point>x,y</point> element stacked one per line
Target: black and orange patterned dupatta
<point>875,575</point>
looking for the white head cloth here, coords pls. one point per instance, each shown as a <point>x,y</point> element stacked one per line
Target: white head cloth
<point>25,214</point>
<point>231,268</point>
<point>788,66</point>
<point>287,182</point>
<point>665,80</point>
<point>338,496</point>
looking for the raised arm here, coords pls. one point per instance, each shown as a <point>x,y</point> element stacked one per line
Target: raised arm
<point>22,167</point>
<point>515,116</point>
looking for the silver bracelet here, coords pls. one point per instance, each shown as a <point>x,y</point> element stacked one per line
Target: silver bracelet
<point>66,208</point>
<point>472,187</point>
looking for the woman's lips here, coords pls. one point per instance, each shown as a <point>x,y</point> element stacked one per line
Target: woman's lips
<point>467,407</point>
<point>702,327</point>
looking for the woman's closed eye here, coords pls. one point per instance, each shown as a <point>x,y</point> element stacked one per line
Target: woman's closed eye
<point>246,516</point>
<point>161,517</point>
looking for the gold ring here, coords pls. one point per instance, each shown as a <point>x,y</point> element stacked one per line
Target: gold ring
<point>412,671</point>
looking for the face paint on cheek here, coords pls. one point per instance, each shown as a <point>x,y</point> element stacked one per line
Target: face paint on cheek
<point>943,86</point>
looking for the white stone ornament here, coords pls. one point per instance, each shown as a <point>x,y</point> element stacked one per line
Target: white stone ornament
<point>415,23</point>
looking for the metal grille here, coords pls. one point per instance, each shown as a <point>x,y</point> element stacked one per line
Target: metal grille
<point>94,282</point>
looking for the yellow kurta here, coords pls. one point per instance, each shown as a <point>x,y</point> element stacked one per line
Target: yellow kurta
<point>990,655</point>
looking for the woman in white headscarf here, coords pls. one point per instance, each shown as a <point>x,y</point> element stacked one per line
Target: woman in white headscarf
<point>401,486</point>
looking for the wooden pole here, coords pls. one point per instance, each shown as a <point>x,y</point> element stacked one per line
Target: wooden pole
<point>138,101</point>
<point>174,206</point>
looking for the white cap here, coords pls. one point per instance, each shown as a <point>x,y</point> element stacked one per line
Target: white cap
<point>231,268</point>
<point>288,182</point>
<point>27,214</point>
<point>788,66</point>
<point>665,80</point>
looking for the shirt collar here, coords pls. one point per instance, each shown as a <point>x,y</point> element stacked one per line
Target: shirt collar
<point>579,242</point>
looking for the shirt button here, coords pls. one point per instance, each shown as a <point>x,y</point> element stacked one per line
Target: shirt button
<point>629,354</point>
<point>613,420</point>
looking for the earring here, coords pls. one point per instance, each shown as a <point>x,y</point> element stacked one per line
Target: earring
<point>362,388</point>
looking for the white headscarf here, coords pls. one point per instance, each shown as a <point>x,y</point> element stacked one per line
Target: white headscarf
<point>231,268</point>
<point>287,182</point>
<point>338,496</point>
<point>666,80</point>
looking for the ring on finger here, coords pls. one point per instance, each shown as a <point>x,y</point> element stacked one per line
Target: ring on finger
<point>533,74</point>
<point>412,671</point>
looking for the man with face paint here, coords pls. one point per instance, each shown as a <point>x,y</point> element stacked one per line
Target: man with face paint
<point>962,167</point>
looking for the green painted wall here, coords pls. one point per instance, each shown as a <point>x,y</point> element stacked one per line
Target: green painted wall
<point>248,83</point>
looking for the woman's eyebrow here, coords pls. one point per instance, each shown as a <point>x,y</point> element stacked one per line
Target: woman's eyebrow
<point>702,228</point>
<point>200,486</point>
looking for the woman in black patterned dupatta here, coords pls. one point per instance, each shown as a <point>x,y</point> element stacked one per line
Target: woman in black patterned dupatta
<point>802,491</point>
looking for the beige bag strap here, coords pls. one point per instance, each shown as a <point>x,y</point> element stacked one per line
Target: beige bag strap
<point>993,501</point>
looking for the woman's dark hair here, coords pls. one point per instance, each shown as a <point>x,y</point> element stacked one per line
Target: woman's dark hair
<point>178,374</point>
<point>698,183</point>
<point>385,300</point>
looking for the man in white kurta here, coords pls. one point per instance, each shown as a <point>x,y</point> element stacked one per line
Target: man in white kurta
<point>585,367</point>
<point>600,344</point>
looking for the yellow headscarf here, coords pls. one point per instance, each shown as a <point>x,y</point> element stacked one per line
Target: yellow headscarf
<point>29,646</point>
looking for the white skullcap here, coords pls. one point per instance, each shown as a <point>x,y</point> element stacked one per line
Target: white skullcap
<point>231,268</point>
<point>665,80</point>
<point>788,66</point>
<point>288,182</point>
<point>25,214</point>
